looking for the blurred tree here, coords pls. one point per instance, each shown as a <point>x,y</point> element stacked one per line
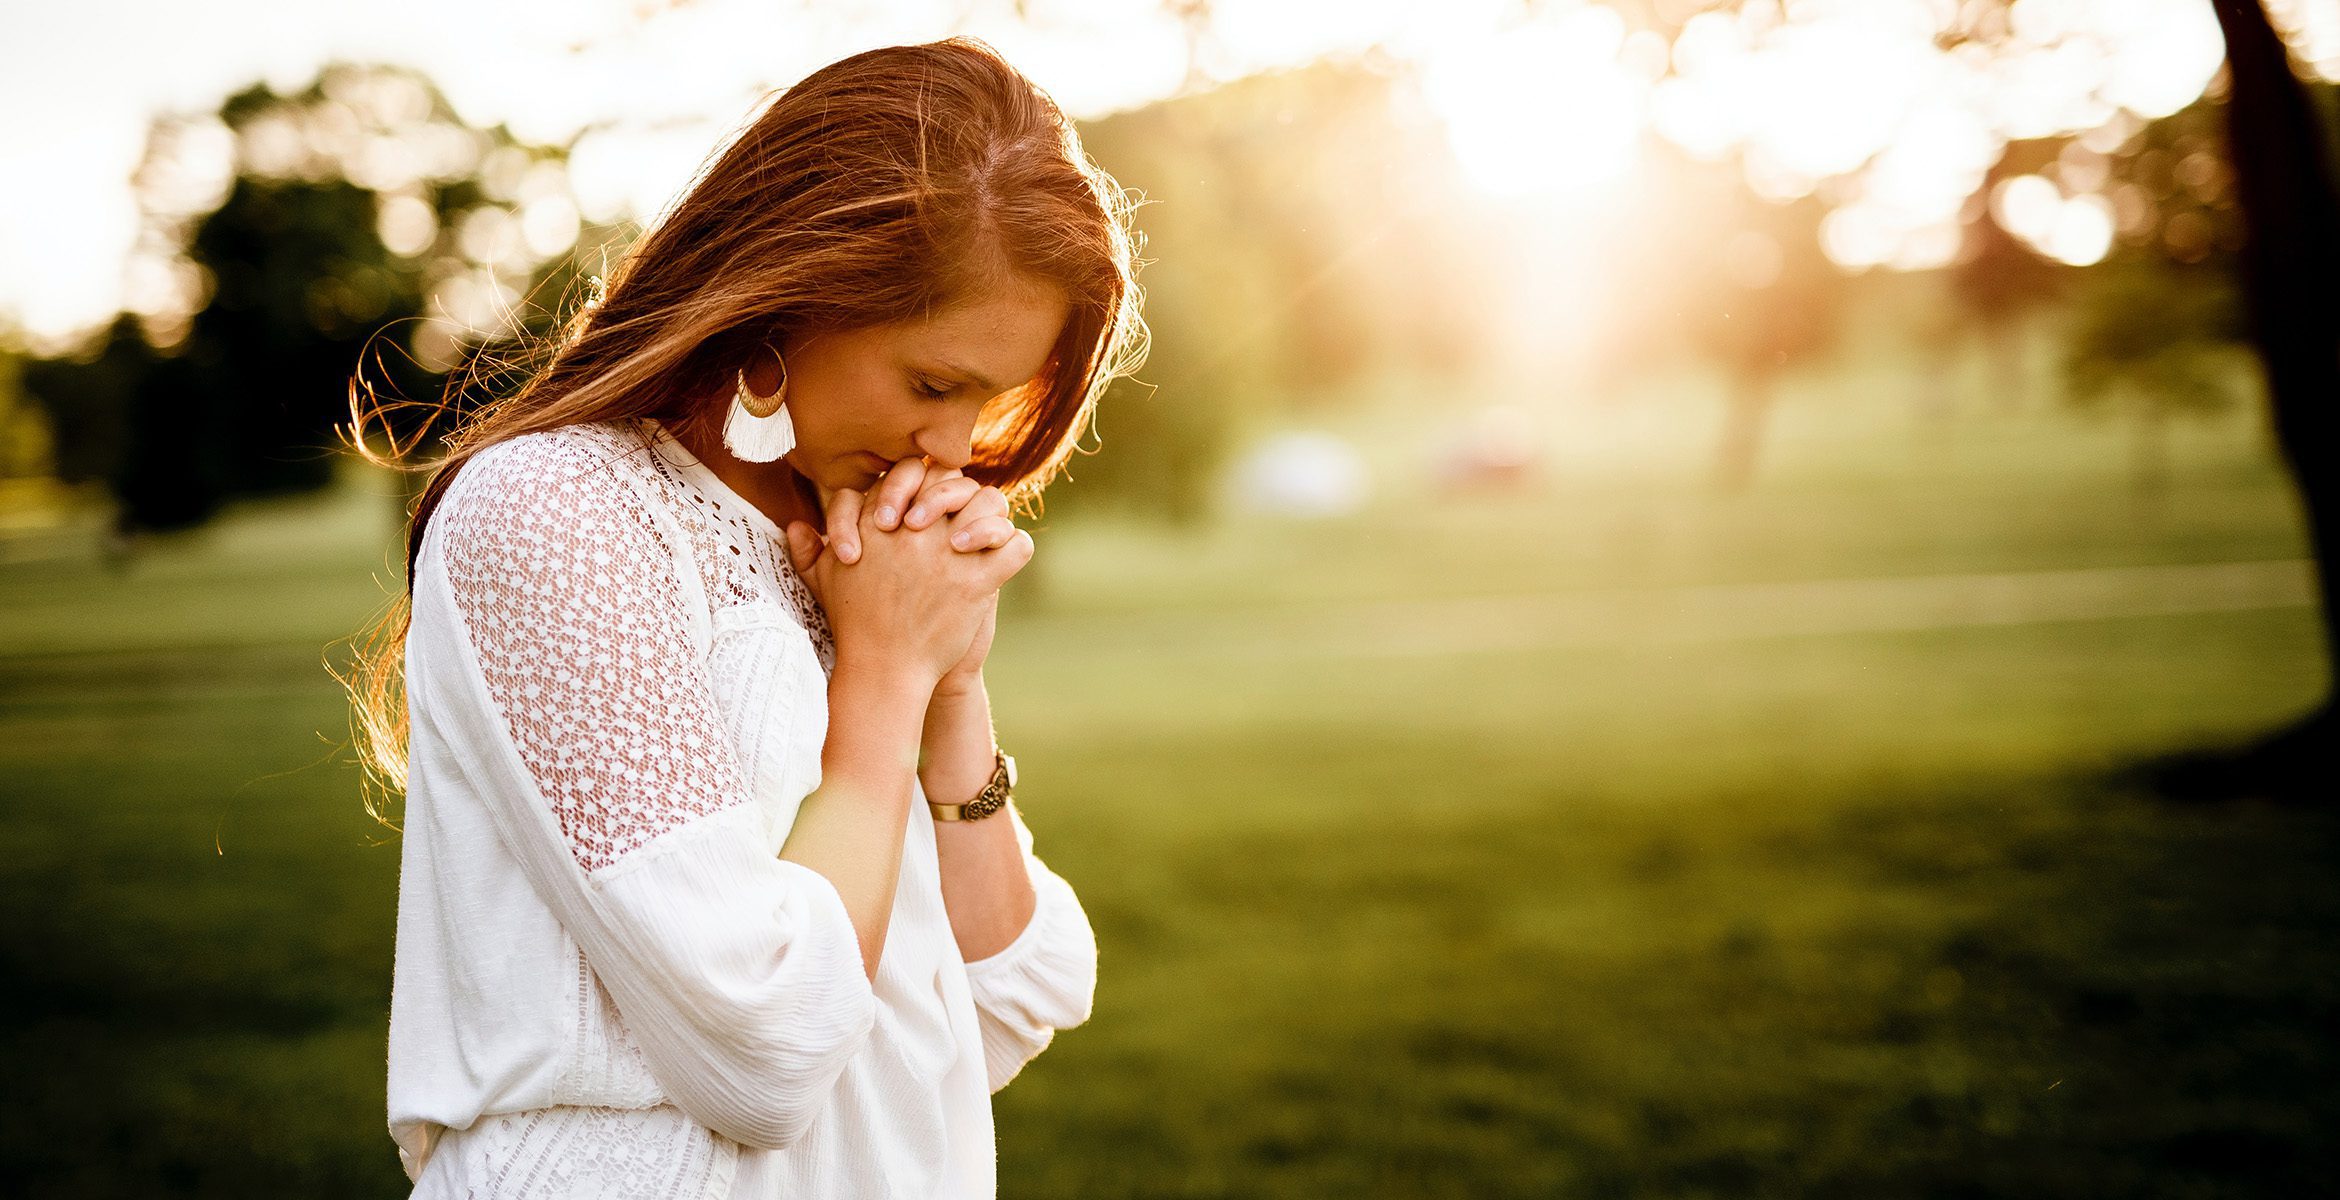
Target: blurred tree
<point>2156,341</point>
<point>1750,290</point>
<point>24,431</point>
<point>1297,251</point>
<point>2001,282</point>
<point>1162,439</point>
<point>2159,332</point>
<point>2286,246</point>
<point>281,236</point>
<point>2280,150</point>
<point>138,420</point>
<point>82,400</point>
<point>1774,302</point>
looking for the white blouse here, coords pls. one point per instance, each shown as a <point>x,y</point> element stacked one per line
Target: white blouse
<point>607,982</point>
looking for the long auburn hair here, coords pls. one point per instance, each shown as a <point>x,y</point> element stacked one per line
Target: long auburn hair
<point>887,185</point>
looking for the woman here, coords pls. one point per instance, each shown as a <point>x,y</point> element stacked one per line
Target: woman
<point>707,884</point>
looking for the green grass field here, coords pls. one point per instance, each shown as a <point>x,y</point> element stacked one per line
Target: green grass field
<point>1607,840</point>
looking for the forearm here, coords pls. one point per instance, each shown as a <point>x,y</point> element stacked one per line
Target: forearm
<point>986,888</point>
<point>850,827</point>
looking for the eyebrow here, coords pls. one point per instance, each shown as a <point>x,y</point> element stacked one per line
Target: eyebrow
<point>977,376</point>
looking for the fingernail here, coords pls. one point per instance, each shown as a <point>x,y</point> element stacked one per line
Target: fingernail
<point>961,538</point>
<point>917,514</point>
<point>886,516</point>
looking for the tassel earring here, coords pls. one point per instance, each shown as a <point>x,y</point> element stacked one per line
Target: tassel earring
<point>758,429</point>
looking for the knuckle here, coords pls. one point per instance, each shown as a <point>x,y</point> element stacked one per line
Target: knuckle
<point>951,497</point>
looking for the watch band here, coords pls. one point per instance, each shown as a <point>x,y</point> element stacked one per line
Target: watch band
<point>991,799</point>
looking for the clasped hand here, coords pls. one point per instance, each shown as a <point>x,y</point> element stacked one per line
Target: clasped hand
<point>905,587</point>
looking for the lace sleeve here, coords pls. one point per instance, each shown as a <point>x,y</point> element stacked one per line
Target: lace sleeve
<point>552,646</point>
<point>579,622</point>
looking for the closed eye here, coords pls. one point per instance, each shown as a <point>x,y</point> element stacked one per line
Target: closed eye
<point>932,391</point>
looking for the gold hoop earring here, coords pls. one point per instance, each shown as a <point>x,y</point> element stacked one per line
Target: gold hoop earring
<point>758,428</point>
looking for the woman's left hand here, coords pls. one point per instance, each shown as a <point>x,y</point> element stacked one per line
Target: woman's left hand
<point>914,494</point>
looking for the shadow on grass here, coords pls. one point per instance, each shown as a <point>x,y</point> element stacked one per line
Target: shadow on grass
<point>2051,988</point>
<point>2058,988</point>
<point>2291,765</point>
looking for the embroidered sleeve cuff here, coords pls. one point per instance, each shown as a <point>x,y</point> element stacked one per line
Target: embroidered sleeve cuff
<point>1046,978</point>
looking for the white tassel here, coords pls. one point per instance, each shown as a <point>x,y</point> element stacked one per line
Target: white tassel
<point>751,438</point>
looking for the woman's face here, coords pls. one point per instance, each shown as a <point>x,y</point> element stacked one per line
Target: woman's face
<point>862,399</point>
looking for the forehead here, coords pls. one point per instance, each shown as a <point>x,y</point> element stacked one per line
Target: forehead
<point>1004,334</point>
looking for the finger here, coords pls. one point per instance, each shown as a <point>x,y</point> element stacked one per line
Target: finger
<point>987,532</point>
<point>939,498</point>
<point>845,525</point>
<point>893,493</point>
<point>1014,554</point>
<point>988,499</point>
<point>804,547</point>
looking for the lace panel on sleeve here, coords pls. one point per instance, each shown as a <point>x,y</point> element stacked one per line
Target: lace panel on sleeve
<point>571,600</point>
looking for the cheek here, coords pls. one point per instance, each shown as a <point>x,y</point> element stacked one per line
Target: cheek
<point>837,437</point>
<point>847,434</point>
<point>823,418</point>
<point>880,423</point>
<point>843,412</point>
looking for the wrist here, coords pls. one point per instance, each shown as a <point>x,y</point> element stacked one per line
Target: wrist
<point>958,745</point>
<point>889,703</point>
<point>872,744</point>
<point>959,685</point>
<point>988,798</point>
<point>890,673</point>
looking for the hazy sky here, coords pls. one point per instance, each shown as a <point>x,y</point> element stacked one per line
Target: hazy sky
<point>82,77</point>
<point>1844,86</point>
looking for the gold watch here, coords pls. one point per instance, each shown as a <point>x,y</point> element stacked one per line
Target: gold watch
<point>991,799</point>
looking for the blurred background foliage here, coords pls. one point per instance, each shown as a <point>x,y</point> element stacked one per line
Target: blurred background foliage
<point>262,288</point>
<point>1300,244</point>
<point>1626,641</point>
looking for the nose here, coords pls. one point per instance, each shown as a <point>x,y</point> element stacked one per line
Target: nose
<point>949,441</point>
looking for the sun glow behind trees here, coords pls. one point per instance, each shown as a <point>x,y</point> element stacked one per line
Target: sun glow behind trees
<point>1549,108</point>
<point>1891,111</point>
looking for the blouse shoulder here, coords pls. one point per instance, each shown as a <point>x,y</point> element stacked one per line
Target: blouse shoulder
<point>583,622</point>
<point>568,467</point>
<point>576,492</point>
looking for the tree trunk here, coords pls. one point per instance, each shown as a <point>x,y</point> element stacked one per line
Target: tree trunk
<point>2149,457</point>
<point>2290,276</point>
<point>1744,413</point>
<point>2010,369</point>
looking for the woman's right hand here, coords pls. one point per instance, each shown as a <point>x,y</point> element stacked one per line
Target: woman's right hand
<point>910,601</point>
